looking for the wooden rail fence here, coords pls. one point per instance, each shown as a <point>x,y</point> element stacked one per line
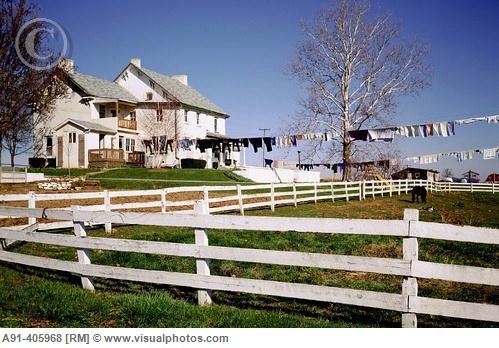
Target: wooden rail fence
<point>238,197</point>
<point>409,267</point>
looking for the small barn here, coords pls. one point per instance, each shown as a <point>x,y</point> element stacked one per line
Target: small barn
<point>471,176</point>
<point>416,173</point>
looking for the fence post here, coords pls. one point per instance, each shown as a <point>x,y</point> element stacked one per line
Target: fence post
<point>31,204</point>
<point>294,194</point>
<point>107,207</point>
<point>272,197</point>
<point>332,192</point>
<point>25,175</point>
<point>399,184</point>
<point>364,190</point>
<point>315,193</point>
<point>360,190</point>
<point>206,197</point>
<point>202,265</point>
<point>240,198</point>
<point>391,187</point>
<point>493,188</point>
<point>410,284</point>
<point>83,254</point>
<point>163,200</point>
<point>471,187</point>
<point>346,191</point>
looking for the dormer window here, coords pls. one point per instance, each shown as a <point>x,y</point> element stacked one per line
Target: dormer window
<point>165,95</point>
<point>215,124</point>
<point>197,118</point>
<point>149,96</point>
<point>151,83</point>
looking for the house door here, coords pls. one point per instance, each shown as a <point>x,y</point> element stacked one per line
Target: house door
<point>60,152</point>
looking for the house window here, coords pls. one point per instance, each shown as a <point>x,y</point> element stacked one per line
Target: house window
<point>113,113</point>
<point>133,116</point>
<point>185,116</point>
<point>130,145</point>
<point>159,115</point>
<point>215,124</point>
<point>49,146</point>
<point>197,118</point>
<point>151,83</point>
<point>102,111</point>
<point>120,143</point>
<point>149,96</point>
<point>72,138</point>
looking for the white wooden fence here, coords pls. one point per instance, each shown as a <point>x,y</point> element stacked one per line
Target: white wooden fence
<point>410,268</point>
<point>237,197</point>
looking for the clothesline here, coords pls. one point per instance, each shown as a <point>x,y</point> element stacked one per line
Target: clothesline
<point>487,154</point>
<point>387,134</point>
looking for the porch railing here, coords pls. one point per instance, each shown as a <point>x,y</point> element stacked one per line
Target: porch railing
<point>128,124</point>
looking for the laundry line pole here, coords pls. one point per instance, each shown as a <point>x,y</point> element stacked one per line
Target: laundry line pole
<point>263,146</point>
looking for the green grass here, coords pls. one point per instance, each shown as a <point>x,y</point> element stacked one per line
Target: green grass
<point>64,171</point>
<point>29,297</point>
<point>145,178</point>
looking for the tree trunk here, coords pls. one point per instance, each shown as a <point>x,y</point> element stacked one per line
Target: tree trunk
<point>347,153</point>
<point>12,158</point>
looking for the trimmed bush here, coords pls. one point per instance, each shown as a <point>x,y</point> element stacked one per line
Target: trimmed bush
<point>36,162</point>
<point>193,163</point>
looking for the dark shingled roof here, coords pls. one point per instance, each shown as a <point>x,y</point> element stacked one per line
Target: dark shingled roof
<point>97,87</point>
<point>184,93</point>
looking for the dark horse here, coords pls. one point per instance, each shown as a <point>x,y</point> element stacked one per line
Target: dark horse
<point>419,191</point>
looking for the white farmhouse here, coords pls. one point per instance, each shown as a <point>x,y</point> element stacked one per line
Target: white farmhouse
<point>142,118</point>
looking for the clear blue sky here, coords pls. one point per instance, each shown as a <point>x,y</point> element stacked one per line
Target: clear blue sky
<point>236,52</point>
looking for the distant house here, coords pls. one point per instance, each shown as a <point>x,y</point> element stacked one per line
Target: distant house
<point>416,173</point>
<point>471,176</point>
<point>142,117</point>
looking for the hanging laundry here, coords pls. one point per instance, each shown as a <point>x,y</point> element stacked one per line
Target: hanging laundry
<point>489,153</point>
<point>403,131</point>
<point>493,119</point>
<point>359,135</point>
<point>450,128</point>
<point>268,162</point>
<point>381,134</point>
<point>268,143</point>
<point>272,141</point>
<point>256,143</point>
<point>470,120</point>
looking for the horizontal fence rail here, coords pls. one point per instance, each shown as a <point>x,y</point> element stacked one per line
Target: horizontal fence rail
<point>236,198</point>
<point>409,267</point>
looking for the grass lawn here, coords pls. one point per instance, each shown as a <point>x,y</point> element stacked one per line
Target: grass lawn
<point>31,297</point>
<point>146,178</point>
<point>64,171</point>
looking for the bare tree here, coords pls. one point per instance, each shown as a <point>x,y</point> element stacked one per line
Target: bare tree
<point>447,173</point>
<point>27,94</point>
<point>158,130</point>
<point>354,67</point>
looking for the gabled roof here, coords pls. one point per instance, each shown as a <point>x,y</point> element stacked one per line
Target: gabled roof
<point>97,87</point>
<point>183,93</point>
<point>87,126</point>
